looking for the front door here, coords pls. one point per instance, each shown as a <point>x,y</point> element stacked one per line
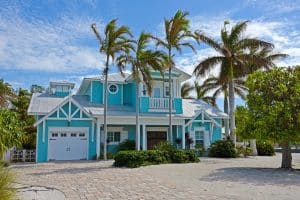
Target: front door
<point>155,137</point>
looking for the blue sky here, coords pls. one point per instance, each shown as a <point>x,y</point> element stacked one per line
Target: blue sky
<point>51,40</point>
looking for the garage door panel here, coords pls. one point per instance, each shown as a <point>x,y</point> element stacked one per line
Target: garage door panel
<point>67,144</point>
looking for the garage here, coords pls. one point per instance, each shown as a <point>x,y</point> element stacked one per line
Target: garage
<point>67,143</point>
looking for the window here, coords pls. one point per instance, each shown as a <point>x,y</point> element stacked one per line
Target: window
<point>114,136</point>
<point>54,134</point>
<point>81,135</point>
<point>73,134</point>
<point>199,137</point>
<point>63,135</point>
<point>113,88</point>
<point>144,92</point>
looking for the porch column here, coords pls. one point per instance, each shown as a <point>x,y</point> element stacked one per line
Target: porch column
<point>183,136</point>
<point>98,138</point>
<point>138,138</point>
<point>144,137</point>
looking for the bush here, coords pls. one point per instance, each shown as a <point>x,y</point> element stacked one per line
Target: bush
<point>265,149</point>
<point>7,192</point>
<point>223,149</point>
<point>153,157</point>
<point>126,145</point>
<point>199,150</point>
<point>243,151</point>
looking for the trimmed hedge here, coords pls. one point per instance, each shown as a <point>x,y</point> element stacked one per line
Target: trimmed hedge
<point>223,149</point>
<point>134,159</point>
<point>126,145</point>
<point>265,149</point>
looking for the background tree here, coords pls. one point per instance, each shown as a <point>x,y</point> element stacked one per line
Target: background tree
<point>177,35</point>
<point>20,105</point>
<point>115,42</point>
<point>11,133</point>
<point>274,107</point>
<point>143,60</point>
<point>201,93</point>
<point>234,57</point>
<point>6,94</point>
<point>36,88</point>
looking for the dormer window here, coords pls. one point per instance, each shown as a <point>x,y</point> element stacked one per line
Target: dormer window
<point>113,88</point>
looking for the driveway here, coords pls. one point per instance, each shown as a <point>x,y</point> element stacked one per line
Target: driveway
<point>243,178</point>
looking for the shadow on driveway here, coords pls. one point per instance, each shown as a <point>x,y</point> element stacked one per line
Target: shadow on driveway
<point>257,176</point>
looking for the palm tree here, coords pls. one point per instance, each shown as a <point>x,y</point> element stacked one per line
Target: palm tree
<point>177,35</point>
<point>233,58</point>
<point>219,86</point>
<point>142,62</point>
<point>201,92</point>
<point>186,88</point>
<point>115,43</point>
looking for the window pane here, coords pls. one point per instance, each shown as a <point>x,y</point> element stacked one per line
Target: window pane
<point>199,135</point>
<point>117,137</point>
<point>110,136</point>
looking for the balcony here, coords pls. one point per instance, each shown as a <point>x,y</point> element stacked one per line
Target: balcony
<point>151,104</point>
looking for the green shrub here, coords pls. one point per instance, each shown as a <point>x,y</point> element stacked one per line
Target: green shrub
<point>126,145</point>
<point>243,151</point>
<point>152,157</point>
<point>164,146</point>
<point>7,192</point>
<point>4,163</point>
<point>199,150</point>
<point>265,149</point>
<point>223,149</point>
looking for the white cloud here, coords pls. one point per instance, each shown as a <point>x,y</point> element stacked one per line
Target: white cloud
<point>34,44</point>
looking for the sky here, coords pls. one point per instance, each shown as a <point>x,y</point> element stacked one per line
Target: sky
<point>42,41</point>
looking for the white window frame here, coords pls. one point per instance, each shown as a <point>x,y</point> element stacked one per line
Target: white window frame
<point>114,135</point>
<point>116,129</point>
<point>117,88</point>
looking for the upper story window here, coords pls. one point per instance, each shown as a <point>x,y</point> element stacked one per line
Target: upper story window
<point>113,89</point>
<point>62,88</point>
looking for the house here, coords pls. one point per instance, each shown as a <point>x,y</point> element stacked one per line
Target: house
<point>70,127</point>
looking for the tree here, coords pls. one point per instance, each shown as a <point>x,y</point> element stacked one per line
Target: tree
<point>6,94</point>
<point>36,88</point>
<point>201,92</point>
<point>20,105</point>
<point>177,36</point>
<point>142,62</point>
<point>220,86</point>
<point>11,133</point>
<point>274,107</point>
<point>115,43</point>
<point>234,57</point>
<point>186,88</point>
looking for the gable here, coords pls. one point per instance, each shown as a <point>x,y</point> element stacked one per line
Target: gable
<point>67,110</point>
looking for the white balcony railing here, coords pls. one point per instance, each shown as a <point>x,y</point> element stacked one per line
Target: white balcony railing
<point>159,103</point>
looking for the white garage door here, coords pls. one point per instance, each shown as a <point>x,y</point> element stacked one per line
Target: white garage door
<point>67,144</point>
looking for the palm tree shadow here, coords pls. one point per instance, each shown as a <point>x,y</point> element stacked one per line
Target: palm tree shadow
<point>257,176</point>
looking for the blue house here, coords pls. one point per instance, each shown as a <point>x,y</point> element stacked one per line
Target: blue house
<point>70,127</point>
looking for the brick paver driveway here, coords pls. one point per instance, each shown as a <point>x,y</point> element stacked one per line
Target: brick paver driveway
<point>250,178</point>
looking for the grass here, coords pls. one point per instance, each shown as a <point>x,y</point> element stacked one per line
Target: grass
<point>7,192</point>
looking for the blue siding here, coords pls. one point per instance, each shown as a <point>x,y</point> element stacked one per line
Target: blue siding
<point>178,105</point>
<point>97,93</point>
<point>144,104</point>
<point>115,99</point>
<point>61,94</point>
<point>127,94</point>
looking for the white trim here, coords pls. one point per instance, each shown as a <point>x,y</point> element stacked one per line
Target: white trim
<point>158,129</point>
<point>62,110</point>
<point>117,88</point>
<point>75,112</point>
<point>93,129</point>
<point>98,139</point>
<point>78,119</point>
<point>183,136</point>
<point>144,137</point>
<point>206,137</point>
<point>69,111</point>
<point>37,145</point>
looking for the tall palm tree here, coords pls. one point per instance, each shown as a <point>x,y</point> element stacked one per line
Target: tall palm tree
<point>113,44</point>
<point>143,60</point>
<point>177,35</point>
<point>233,58</point>
<point>186,89</point>
<point>219,86</point>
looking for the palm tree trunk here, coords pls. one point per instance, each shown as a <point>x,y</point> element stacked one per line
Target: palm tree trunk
<point>253,147</point>
<point>231,106</point>
<point>105,109</point>
<point>226,111</point>
<point>137,126</point>
<point>286,161</point>
<point>170,98</point>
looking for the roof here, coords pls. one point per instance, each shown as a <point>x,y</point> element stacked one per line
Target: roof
<point>114,77</point>
<point>191,107</point>
<point>54,83</point>
<point>43,103</point>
